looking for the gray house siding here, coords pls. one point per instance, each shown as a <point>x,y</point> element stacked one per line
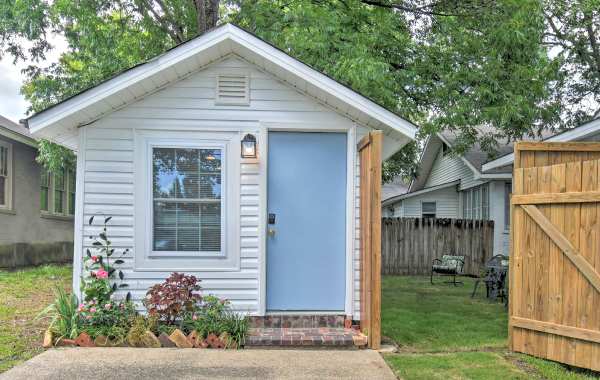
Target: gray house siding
<point>448,168</point>
<point>24,223</point>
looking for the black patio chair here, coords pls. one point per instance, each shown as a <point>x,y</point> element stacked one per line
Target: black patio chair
<point>448,265</point>
<point>495,276</point>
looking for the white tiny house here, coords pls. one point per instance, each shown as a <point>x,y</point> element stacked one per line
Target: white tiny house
<point>228,159</point>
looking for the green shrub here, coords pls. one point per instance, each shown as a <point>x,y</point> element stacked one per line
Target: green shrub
<point>64,316</point>
<point>140,325</point>
<point>111,319</point>
<point>214,316</point>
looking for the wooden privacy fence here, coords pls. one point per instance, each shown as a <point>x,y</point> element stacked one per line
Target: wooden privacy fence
<point>409,245</point>
<point>555,253</point>
<point>369,149</point>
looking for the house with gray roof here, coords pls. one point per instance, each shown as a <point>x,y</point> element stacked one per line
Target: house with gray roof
<point>471,186</point>
<point>36,207</point>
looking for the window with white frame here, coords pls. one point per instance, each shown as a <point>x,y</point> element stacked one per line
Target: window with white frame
<point>428,209</point>
<point>186,199</point>
<point>475,203</point>
<point>57,192</point>
<point>507,194</point>
<point>5,175</point>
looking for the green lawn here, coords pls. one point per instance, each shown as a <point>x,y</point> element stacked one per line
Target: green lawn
<point>442,333</point>
<point>22,295</point>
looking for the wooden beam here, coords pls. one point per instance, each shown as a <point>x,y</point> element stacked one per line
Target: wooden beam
<point>565,245</point>
<point>546,198</point>
<point>558,146</point>
<point>364,142</point>
<point>556,329</point>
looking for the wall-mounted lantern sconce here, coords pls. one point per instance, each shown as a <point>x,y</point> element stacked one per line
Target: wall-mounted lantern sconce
<point>249,146</point>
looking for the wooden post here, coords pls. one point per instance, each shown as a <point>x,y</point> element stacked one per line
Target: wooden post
<point>370,224</point>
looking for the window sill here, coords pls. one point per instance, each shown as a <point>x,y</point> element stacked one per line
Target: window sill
<point>8,211</point>
<point>506,232</point>
<point>57,217</point>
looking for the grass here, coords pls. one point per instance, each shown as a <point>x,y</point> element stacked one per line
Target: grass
<point>442,333</point>
<point>23,294</point>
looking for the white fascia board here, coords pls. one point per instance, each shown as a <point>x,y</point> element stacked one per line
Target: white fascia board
<point>125,80</point>
<point>419,192</point>
<point>323,82</point>
<point>574,134</point>
<point>206,41</point>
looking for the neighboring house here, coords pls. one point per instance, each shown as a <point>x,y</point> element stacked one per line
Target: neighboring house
<point>470,186</point>
<point>36,208</point>
<point>167,149</point>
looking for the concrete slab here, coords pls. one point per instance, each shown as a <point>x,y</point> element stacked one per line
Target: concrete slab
<point>173,363</point>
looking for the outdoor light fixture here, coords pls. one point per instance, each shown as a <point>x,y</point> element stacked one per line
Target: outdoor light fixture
<point>249,146</point>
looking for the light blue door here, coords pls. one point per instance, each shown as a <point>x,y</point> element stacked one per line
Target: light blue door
<point>306,243</point>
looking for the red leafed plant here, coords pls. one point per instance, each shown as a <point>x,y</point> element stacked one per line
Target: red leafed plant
<point>171,299</point>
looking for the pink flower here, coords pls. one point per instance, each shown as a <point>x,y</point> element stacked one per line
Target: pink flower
<point>88,317</point>
<point>102,274</point>
<point>81,307</point>
<point>94,258</point>
<point>107,306</point>
<point>93,310</point>
<point>194,317</point>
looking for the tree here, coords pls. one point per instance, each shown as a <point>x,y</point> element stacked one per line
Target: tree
<point>104,38</point>
<point>444,64</point>
<point>573,32</point>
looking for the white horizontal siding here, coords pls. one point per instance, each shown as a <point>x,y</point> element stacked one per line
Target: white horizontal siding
<point>109,178</point>
<point>446,203</point>
<point>448,169</point>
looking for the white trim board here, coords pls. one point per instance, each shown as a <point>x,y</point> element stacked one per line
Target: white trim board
<point>419,192</point>
<point>574,134</point>
<point>132,85</point>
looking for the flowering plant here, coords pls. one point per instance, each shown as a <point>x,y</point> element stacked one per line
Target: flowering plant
<point>108,318</point>
<point>99,284</point>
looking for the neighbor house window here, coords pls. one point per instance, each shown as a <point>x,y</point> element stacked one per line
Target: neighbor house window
<point>45,191</point>
<point>428,209</point>
<point>5,174</point>
<point>187,202</point>
<point>507,194</point>
<point>476,203</point>
<point>57,192</point>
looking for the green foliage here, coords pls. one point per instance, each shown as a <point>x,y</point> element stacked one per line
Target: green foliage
<point>214,316</point>
<point>111,319</point>
<point>139,326</point>
<point>63,311</point>
<point>170,300</point>
<point>100,283</point>
<point>55,157</point>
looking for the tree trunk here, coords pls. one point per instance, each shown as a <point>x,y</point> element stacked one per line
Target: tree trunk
<point>207,14</point>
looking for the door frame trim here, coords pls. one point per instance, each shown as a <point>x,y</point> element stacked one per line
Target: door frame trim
<point>263,138</point>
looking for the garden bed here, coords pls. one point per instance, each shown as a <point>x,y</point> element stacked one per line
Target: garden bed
<point>176,313</point>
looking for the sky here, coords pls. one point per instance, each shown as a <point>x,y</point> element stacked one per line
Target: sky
<point>12,104</point>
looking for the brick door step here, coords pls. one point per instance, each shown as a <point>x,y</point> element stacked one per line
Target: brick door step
<point>298,321</point>
<point>306,337</point>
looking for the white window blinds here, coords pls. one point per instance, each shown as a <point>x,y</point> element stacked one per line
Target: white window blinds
<point>186,199</point>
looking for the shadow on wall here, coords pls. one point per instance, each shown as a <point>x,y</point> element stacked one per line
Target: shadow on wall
<point>20,255</point>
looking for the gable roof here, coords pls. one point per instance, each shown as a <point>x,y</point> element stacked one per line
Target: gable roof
<point>58,121</point>
<point>582,132</point>
<point>425,190</point>
<point>17,132</point>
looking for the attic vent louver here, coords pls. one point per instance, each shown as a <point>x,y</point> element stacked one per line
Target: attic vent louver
<point>233,89</point>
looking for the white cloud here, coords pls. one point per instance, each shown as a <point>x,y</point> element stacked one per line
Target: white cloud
<point>12,103</point>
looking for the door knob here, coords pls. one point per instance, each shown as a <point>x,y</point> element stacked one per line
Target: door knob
<point>271,231</point>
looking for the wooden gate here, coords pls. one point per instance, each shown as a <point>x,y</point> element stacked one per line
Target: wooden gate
<point>555,253</point>
<point>369,149</point>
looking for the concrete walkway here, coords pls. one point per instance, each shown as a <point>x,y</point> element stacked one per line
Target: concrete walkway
<point>171,363</point>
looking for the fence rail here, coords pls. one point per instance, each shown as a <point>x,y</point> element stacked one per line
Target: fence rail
<point>409,245</point>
